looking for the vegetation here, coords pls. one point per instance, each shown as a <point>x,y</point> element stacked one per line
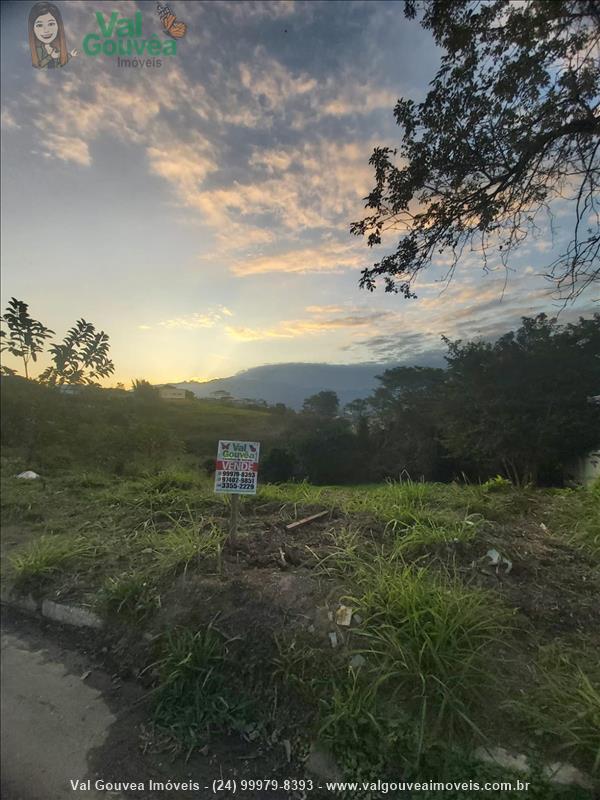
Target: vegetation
<point>81,358</point>
<point>510,119</point>
<point>409,687</point>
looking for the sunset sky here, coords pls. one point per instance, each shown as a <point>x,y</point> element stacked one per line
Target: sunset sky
<point>199,212</point>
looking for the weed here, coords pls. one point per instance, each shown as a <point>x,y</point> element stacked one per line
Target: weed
<point>48,556</point>
<point>564,705</point>
<point>195,693</point>
<point>433,641</point>
<point>428,531</point>
<point>132,596</point>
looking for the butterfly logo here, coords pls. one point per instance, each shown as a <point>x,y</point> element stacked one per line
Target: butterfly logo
<point>172,26</point>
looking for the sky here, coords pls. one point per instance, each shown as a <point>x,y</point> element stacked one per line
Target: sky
<point>199,211</point>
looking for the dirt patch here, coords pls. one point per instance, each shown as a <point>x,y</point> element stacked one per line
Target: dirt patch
<point>555,585</point>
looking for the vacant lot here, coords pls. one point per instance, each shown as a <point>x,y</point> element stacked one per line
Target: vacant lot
<point>474,614</point>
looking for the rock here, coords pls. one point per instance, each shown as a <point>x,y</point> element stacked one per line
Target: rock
<point>357,661</point>
<point>28,475</point>
<point>567,775</point>
<point>558,772</point>
<point>343,616</point>
<point>498,755</point>
<point>70,615</point>
<point>321,764</point>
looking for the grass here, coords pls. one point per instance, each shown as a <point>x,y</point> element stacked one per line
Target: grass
<point>197,692</point>
<point>436,650</point>
<point>48,556</point>
<point>564,703</point>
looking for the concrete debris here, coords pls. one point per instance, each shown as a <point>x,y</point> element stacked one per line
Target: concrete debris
<point>558,772</point>
<point>343,616</point>
<point>497,560</point>
<point>28,475</point>
<point>357,661</point>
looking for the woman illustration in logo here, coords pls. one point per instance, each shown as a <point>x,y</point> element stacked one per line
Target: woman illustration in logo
<point>47,40</point>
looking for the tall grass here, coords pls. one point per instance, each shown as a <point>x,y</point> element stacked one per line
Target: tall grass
<point>434,640</point>
<point>50,555</point>
<point>564,706</point>
<point>195,693</point>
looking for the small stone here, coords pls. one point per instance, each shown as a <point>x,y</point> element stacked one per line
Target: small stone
<point>333,639</point>
<point>567,775</point>
<point>357,661</point>
<point>343,616</point>
<point>321,764</point>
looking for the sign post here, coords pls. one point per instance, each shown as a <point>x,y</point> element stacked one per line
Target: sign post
<point>236,473</point>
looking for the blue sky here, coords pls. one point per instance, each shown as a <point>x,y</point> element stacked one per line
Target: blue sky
<point>199,212</point>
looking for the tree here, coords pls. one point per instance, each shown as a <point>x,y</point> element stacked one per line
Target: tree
<point>26,336</point>
<point>144,389</point>
<point>521,405</point>
<point>357,410</point>
<point>82,357</point>
<point>511,123</point>
<point>406,430</point>
<point>322,404</point>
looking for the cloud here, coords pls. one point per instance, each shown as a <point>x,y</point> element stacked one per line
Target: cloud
<point>193,321</point>
<point>329,257</point>
<point>7,120</point>
<point>68,148</point>
<point>293,329</point>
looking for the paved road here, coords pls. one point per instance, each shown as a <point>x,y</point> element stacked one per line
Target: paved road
<point>51,720</point>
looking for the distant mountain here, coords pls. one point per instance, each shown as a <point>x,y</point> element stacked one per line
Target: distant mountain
<point>292,383</point>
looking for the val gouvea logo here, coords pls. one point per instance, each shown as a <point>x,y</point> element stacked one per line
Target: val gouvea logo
<point>124,37</point>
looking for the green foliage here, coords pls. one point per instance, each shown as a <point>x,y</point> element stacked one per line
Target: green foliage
<point>132,596</point>
<point>82,357</point>
<point>26,336</point>
<point>197,693</point>
<point>522,403</point>
<point>509,119</point>
<point>279,465</point>
<point>564,705</point>
<point>49,555</point>
<point>322,404</point>
<point>435,642</point>
<point>497,484</point>
<point>575,515</point>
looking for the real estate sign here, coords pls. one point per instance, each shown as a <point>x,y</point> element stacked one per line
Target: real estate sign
<point>237,467</point>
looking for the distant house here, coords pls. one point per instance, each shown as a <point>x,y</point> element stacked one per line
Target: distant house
<point>171,393</point>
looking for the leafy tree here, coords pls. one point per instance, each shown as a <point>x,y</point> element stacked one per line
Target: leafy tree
<point>279,465</point>
<point>357,410</point>
<point>510,123</point>
<point>322,404</point>
<point>521,404</point>
<point>26,336</point>
<point>406,436</point>
<point>82,357</point>
<point>144,389</point>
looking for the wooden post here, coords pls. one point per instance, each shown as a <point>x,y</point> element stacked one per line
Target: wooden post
<point>233,521</point>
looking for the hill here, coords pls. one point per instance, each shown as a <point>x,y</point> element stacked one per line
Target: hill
<point>291,383</point>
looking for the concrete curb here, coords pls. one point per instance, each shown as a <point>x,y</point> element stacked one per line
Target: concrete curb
<point>57,612</point>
